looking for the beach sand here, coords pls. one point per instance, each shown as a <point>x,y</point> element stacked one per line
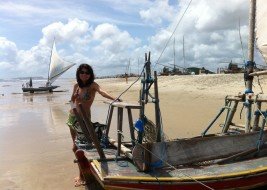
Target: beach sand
<point>35,144</point>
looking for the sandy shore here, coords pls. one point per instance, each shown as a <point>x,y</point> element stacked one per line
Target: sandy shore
<point>188,103</point>
<point>35,144</point>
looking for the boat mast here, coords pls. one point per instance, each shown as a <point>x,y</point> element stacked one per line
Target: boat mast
<point>50,61</point>
<point>147,82</point>
<point>250,63</point>
<point>184,55</point>
<point>174,66</point>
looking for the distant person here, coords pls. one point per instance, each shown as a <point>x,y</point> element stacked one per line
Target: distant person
<point>30,83</point>
<point>48,84</point>
<point>126,77</point>
<point>84,92</point>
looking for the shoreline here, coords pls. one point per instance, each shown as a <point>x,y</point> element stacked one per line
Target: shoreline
<point>37,144</point>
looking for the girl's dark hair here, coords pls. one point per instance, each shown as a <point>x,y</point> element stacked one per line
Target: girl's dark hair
<point>91,72</point>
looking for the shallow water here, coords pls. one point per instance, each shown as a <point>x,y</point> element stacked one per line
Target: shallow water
<point>35,144</point>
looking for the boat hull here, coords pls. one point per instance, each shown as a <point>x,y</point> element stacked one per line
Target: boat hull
<point>112,175</point>
<point>39,89</point>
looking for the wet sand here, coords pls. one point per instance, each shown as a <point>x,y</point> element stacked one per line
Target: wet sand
<point>35,144</point>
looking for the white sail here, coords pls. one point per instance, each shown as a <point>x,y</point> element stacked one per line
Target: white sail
<point>261,27</point>
<point>57,65</point>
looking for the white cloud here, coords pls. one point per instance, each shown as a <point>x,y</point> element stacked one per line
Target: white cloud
<point>75,31</point>
<point>210,30</point>
<point>8,51</point>
<point>159,11</point>
<point>107,42</point>
<point>112,40</point>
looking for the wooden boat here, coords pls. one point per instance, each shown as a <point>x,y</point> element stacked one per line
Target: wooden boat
<point>57,67</point>
<point>39,89</point>
<point>228,160</point>
<point>236,158</point>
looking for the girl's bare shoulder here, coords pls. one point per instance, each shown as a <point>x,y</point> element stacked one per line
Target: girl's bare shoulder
<point>94,85</point>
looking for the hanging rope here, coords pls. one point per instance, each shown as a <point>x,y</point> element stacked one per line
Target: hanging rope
<point>173,167</point>
<point>157,62</point>
<point>240,37</point>
<point>123,93</point>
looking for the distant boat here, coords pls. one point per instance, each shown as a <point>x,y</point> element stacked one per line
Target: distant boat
<point>56,68</point>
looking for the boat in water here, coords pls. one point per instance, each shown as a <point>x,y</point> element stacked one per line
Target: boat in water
<point>57,67</point>
<point>235,158</point>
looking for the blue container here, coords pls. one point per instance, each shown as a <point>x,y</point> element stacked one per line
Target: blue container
<point>139,125</point>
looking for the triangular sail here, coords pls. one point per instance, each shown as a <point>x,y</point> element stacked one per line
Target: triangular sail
<point>261,27</point>
<point>57,66</point>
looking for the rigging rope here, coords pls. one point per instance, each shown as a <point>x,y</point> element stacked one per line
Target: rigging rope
<point>157,62</point>
<point>171,166</point>
<point>241,42</point>
<point>124,92</point>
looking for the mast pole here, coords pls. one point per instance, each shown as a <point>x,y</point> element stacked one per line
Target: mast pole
<point>250,63</point>
<point>183,54</point>
<point>50,62</point>
<point>174,66</point>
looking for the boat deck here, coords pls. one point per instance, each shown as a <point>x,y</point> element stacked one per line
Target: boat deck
<point>123,169</point>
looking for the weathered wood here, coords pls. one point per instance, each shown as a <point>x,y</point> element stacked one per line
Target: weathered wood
<point>147,157</point>
<point>230,117</point>
<point>250,63</point>
<point>82,125</point>
<point>120,106</point>
<point>123,104</point>
<point>109,120</point>
<point>119,128</point>
<point>130,119</point>
<point>92,133</point>
<point>257,117</point>
<point>157,109</point>
<point>237,125</point>
<point>234,98</point>
<point>243,153</point>
<point>251,98</point>
<point>124,150</point>
<point>188,151</point>
<point>258,73</point>
<point>142,157</point>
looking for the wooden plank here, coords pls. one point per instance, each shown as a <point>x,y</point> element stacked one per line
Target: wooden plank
<point>157,109</point>
<point>82,125</point>
<point>124,150</point>
<point>109,121</point>
<point>234,98</point>
<point>254,98</point>
<point>230,117</point>
<point>142,157</point>
<point>258,73</point>
<point>215,172</point>
<point>130,119</point>
<point>244,153</point>
<point>187,151</point>
<point>119,129</point>
<point>92,133</point>
<point>123,104</point>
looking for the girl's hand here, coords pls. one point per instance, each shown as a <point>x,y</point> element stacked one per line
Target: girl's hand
<point>76,96</point>
<point>118,100</point>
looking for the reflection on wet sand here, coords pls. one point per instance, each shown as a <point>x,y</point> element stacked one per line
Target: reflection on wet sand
<point>28,97</point>
<point>35,144</point>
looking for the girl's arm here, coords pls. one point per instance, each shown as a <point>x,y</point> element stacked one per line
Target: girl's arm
<point>74,93</point>
<point>104,93</point>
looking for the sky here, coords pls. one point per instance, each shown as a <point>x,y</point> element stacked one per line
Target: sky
<point>110,34</point>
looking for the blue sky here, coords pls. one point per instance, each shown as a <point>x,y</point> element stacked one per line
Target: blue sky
<point>109,33</point>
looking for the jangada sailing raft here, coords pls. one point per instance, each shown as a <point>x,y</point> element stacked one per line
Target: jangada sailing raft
<point>233,159</point>
<point>57,67</point>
